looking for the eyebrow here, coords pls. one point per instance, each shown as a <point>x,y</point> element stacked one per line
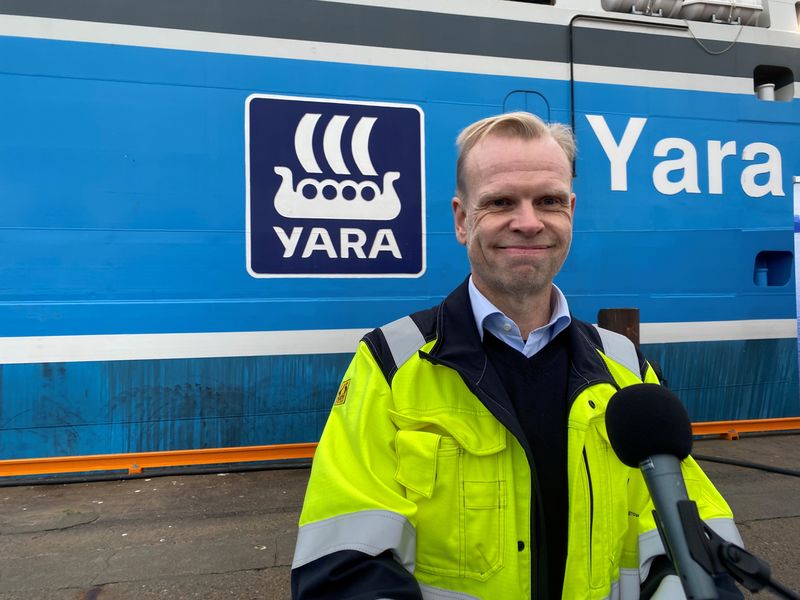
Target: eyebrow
<point>500,193</point>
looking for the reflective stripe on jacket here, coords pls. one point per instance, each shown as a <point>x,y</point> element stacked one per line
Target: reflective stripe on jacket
<point>423,456</point>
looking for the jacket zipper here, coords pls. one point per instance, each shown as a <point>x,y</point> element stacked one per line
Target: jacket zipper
<point>574,397</point>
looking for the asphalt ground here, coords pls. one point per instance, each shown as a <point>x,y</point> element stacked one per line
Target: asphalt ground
<point>231,535</point>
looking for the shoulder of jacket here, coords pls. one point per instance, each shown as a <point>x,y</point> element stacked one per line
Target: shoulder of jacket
<point>620,349</point>
<point>614,345</point>
<point>394,343</point>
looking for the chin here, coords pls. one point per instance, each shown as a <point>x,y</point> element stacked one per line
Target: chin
<point>521,285</point>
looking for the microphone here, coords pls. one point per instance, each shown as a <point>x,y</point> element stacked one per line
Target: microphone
<point>649,429</point>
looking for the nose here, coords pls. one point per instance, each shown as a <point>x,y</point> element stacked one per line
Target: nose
<point>526,220</point>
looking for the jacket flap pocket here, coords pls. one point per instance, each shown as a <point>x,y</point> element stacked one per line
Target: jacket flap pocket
<point>480,434</point>
<point>416,460</point>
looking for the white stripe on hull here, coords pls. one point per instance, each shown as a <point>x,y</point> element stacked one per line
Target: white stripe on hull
<point>717,331</point>
<point>88,348</point>
<point>672,80</point>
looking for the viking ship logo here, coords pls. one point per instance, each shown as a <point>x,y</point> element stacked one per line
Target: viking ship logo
<point>335,188</point>
<point>328,198</point>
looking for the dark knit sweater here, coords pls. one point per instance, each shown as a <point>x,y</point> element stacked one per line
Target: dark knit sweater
<point>537,387</point>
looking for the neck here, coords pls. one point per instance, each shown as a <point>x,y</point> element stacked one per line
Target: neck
<point>529,311</point>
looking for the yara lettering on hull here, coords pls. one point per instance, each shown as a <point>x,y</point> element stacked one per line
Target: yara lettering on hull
<point>352,242</point>
<point>757,179</point>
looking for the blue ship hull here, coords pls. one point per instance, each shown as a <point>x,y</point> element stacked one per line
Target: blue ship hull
<point>125,178</point>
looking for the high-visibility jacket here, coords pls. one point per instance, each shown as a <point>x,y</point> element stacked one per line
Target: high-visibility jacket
<point>422,459</point>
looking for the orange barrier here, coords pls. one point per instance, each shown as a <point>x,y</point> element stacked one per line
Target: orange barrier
<point>135,463</point>
<point>732,429</point>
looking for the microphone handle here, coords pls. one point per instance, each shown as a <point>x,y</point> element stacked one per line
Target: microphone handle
<point>664,479</point>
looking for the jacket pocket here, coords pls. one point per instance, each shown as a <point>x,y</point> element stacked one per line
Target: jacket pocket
<point>484,527</point>
<point>461,504</point>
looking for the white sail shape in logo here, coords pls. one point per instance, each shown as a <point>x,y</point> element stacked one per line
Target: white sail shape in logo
<point>303,142</point>
<point>361,145</point>
<point>328,198</point>
<point>332,144</point>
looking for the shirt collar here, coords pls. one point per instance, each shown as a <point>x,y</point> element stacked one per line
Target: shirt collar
<point>482,309</point>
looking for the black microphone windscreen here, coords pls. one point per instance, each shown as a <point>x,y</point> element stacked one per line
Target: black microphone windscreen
<point>646,419</point>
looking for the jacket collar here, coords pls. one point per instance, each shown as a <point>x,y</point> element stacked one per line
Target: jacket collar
<point>458,344</point>
<point>458,341</point>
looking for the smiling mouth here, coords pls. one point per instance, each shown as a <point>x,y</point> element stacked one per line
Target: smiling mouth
<point>514,248</point>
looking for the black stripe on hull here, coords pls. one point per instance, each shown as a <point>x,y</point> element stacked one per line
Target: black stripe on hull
<point>424,31</point>
<point>652,52</point>
<point>317,21</point>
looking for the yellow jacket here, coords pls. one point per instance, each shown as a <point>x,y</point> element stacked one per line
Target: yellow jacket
<point>420,462</point>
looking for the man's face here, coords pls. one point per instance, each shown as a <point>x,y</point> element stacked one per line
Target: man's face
<point>516,216</point>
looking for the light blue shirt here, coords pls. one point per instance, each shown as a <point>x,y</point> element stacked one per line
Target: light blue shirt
<point>490,318</point>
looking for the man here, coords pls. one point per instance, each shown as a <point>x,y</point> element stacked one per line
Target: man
<point>466,454</point>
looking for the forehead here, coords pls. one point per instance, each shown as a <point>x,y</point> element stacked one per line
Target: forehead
<point>499,156</point>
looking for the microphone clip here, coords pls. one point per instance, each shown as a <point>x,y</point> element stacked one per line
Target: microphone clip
<point>716,555</point>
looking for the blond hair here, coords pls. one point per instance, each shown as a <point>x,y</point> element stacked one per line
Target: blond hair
<point>521,125</point>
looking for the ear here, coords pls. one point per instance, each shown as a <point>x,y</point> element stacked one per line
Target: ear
<point>460,219</point>
<point>572,205</point>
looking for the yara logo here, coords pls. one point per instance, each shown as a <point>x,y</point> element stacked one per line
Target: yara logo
<point>335,188</point>
<point>327,198</point>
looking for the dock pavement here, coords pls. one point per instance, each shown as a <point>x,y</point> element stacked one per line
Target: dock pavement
<point>231,535</point>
